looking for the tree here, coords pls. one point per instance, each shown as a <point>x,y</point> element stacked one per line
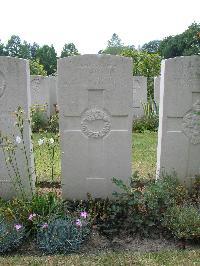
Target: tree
<point>36,68</point>
<point>2,48</point>
<point>47,57</point>
<point>69,50</point>
<point>191,40</point>
<point>34,48</point>
<point>25,50</point>
<point>186,43</point>
<point>114,47</point>
<point>13,46</point>
<point>145,64</point>
<point>115,41</point>
<point>16,48</point>
<point>151,47</point>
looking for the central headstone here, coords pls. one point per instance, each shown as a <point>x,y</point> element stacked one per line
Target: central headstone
<point>95,101</point>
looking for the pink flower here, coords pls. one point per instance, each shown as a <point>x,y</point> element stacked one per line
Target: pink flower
<point>18,226</point>
<point>84,214</point>
<point>78,223</point>
<point>31,216</point>
<point>45,225</point>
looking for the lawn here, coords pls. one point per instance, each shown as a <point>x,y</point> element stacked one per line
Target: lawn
<point>168,258</point>
<point>144,153</point>
<point>143,156</point>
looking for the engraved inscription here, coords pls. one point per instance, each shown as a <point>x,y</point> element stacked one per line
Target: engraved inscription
<point>191,124</point>
<point>95,123</point>
<point>2,84</point>
<point>35,84</point>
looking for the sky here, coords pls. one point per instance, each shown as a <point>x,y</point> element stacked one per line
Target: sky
<point>89,24</point>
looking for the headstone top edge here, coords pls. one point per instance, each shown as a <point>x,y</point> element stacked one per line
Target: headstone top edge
<point>181,58</point>
<point>11,58</point>
<point>95,56</point>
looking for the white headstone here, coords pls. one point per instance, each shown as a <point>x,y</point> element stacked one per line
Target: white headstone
<point>139,95</point>
<point>40,94</point>
<point>14,92</point>
<point>179,128</point>
<point>53,94</point>
<point>95,101</point>
<point>157,89</point>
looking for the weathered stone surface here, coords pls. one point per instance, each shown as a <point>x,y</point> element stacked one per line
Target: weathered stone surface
<point>40,92</point>
<point>157,89</point>
<point>14,92</point>
<point>179,129</point>
<point>95,101</point>
<point>139,95</point>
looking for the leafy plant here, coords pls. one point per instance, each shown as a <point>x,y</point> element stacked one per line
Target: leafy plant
<point>143,203</point>
<point>36,68</point>
<point>183,221</point>
<point>32,212</point>
<point>54,123</point>
<point>39,120</point>
<point>62,235</point>
<point>143,124</point>
<point>150,120</point>
<point>195,191</point>
<point>12,234</point>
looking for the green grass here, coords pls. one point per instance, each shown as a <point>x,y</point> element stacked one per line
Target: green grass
<point>43,155</point>
<point>143,156</point>
<point>168,258</point>
<point>144,153</point>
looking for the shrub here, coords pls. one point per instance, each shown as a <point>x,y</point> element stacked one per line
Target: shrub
<point>54,123</point>
<point>195,191</point>
<point>150,120</point>
<point>143,124</point>
<point>12,234</point>
<point>62,235</point>
<point>183,221</point>
<point>39,120</point>
<point>143,204</point>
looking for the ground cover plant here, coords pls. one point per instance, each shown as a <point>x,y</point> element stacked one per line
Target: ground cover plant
<point>12,234</point>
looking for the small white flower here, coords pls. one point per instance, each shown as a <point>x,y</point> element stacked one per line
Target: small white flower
<point>51,140</point>
<point>18,140</point>
<point>40,142</point>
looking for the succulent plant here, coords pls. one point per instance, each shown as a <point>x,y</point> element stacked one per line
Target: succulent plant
<point>62,235</point>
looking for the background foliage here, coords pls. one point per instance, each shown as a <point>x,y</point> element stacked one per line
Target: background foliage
<point>146,59</point>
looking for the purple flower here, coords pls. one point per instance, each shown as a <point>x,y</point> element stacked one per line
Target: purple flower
<point>18,226</point>
<point>45,225</point>
<point>78,223</point>
<point>84,214</point>
<point>31,216</point>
